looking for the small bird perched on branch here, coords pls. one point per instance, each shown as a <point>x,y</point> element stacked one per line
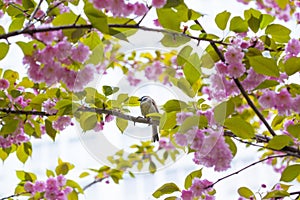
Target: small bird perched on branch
<point>148,106</point>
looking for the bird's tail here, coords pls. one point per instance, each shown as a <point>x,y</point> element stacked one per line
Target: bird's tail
<point>155,136</point>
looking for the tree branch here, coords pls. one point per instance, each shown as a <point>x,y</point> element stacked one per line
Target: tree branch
<point>252,164</point>
<point>25,112</point>
<point>89,26</point>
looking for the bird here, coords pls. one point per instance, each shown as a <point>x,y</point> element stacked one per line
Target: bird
<point>148,106</point>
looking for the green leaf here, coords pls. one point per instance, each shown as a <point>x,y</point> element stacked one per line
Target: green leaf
<point>28,4</point>
<point>3,154</point>
<point>64,107</point>
<point>266,20</point>
<point>26,176</point>
<point>121,124</point>
<point>189,178</point>
<point>290,173</point>
<point>189,123</point>
<point>276,194</point>
<point>277,122</point>
<point>9,127</point>
<point>4,50</point>
<point>292,65</point>
<point>222,19</point>
<point>173,40</point>
<point>192,69</point>
<point>223,110</point>
<point>36,102</point>
<point>50,130</point>
<point>88,121</point>
<point>67,18</point>
<point>28,47</point>
<point>232,145</point>
<point>84,174</point>
<point>265,66</point>
<point>73,195</point>
<point>254,23</point>
<point>74,185</point>
<point>50,173</point>
<point>282,3</point>
<point>294,130</point>
<point>167,188</point>
<point>96,17</point>
<point>238,25</point>
<point>240,127</point>
<point>186,87</point>
<point>267,84</point>
<point>171,16</point>
<point>278,32</point>
<point>23,153</point>
<point>184,54</point>
<point>168,121</point>
<point>152,167</point>
<point>174,105</point>
<point>193,15</point>
<point>108,90</point>
<point>16,24</point>
<point>279,141</point>
<point>11,75</point>
<point>245,192</point>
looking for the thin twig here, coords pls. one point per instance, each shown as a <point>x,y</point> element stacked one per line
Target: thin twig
<point>92,183</point>
<point>14,195</point>
<point>244,168</point>
<point>34,13</point>
<point>139,22</point>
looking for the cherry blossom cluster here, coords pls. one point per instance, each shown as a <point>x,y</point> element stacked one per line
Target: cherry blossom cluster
<point>198,190</point>
<point>51,189</point>
<point>292,48</point>
<point>272,8</point>
<point>51,64</point>
<point>210,147</point>
<point>100,125</point>
<point>17,137</point>
<point>122,8</point>
<point>166,144</point>
<point>282,101</point>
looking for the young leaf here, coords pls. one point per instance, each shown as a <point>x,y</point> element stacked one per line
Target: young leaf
<point>167,188</point>
<point>265,66</point>
<point>279,141</point>
<point>222,19</point>
<point>122,124</point>
<point>240,127</point>
<point>238,25</point>
<point>245,192</point>
<point>4,50</point>
<point>223,110</point>
<point>278,32</point>
<point>184,54</point>
<point>290,173</point>
<point>190,177</point>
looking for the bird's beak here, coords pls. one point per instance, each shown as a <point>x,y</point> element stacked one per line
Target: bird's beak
<point>140,99</point>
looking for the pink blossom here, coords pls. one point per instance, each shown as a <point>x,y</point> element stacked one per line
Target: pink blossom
<point>186,195</point>
<point>233,55</point>
<point>50,73</point>
<point>252,80</point>
<point>156,23</point>
<point>214,152</point>
<point>29,187</point>
<point>1,14</point>
<point>181,139</point>
<point>198,140</point>
<point>236,70</point>
<point>69,77</point>
<point>166,144</point>
<point>181,116</point>
<point>296,104</point>
<point>140,9</point>
<point>39,186</point>
<point>267,100</point>
<point>48,106</point>
<point>109,118</point>
<point>4,84</point>
<point>61,123</point>
<point>61,180</point>
<point>83,77</point>
<point>293,47</point>
<point>132,80</point>
<point>283,102</point>
<point>152,72</point>
<point>221,68</point>
<point>199,187</point>
<point>99,126</point>
<point>158,3</point>
<point>80,53</point>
